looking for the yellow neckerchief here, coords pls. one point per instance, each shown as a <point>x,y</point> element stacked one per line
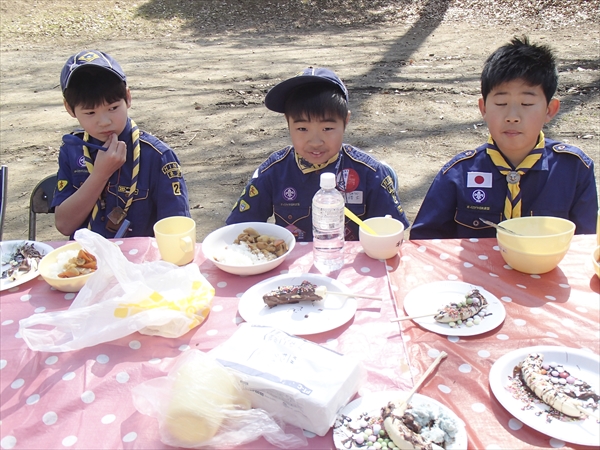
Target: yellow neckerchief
<point>307,167</point>
<point>512,204</point>
<point>89,164</point>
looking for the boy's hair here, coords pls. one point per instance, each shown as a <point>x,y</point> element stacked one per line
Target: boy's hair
<point>316,100</point>
<point>92,86</point>
<point>534,64</point>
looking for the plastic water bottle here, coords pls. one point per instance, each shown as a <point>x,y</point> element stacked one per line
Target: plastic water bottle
<point>328,226</point>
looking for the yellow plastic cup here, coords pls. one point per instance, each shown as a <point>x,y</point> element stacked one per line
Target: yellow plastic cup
<point>385,245</point>
<point>176,239</point>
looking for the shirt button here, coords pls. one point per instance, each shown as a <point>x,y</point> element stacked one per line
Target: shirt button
<point>102,219</point>
<point>476,223</point>
<point>290,217</point>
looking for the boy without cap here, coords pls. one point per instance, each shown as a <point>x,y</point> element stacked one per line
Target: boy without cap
<point>518,172</point>
<point>133,175</point>
<point>315,105</point>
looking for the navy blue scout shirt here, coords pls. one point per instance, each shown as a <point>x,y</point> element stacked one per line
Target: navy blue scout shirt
<point>161,191</point>
<point>560,184</point>
<point>279,187</point>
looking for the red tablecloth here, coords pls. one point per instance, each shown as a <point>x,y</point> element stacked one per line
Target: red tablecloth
<point>82,399</point>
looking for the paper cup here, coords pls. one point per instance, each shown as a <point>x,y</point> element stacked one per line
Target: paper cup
<point>390,234</point>
<point>176,239</point>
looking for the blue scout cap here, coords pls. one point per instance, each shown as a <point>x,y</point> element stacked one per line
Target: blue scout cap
<point>89,58</point>
<point>276,97</point>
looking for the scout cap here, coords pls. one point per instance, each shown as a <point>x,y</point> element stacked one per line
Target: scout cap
<point>89,58</point>
<point>276,97</point>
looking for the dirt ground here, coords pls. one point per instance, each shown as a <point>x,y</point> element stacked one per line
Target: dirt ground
<point>199,70</point>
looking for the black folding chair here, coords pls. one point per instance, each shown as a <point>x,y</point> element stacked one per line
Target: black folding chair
<point>40,201</point>
<point>3,196</point>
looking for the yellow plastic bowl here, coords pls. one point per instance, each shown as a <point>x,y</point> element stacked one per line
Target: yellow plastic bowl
<point>596,260</point>
<point>529,262</point>
<point>539,235</point>
<point>47,268</point>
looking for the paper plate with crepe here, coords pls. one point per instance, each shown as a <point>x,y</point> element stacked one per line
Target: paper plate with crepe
<point>20,261</point>
<point>316,306</point>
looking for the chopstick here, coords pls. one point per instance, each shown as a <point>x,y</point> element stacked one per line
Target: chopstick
<point>323,291</point>
<point>592,414</point>
<point>400,319</point>
<point>434,364</point>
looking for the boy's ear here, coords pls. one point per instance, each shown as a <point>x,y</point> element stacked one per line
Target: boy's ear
<point>482,107</point>
<point>68,108</point>
<point>347,119</point>
<point>128,98</point>
<point>553,108</point>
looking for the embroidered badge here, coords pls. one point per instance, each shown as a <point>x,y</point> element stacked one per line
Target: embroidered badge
<point>244,206</point>
<point>89,56</point>
<point>81,161</point>
<point>172,170</point>
<point>253,192</point>
<point>290,194</point>
<point>479,180</point>
<point>61,184</point>
<point>176,188</point>
<point>388,184</point>
<point>478,195</point>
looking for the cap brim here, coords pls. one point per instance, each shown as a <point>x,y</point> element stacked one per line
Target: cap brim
<point>276,97</point>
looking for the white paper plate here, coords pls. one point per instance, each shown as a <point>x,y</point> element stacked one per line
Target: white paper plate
<point>372,405</point>
<point>581,364</point>
<point>429,298</point>
<point>299,318</point>
<point>8,248</point>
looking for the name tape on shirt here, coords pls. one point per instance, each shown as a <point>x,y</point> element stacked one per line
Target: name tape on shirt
<point>479,180</point>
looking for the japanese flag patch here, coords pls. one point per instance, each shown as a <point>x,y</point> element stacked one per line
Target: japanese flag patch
<point>479,180</point>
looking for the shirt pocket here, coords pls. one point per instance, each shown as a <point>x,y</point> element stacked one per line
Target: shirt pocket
<point>291,215</point>
<point>471,218</point>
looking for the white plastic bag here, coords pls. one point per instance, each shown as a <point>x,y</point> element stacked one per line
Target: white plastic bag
<point>201,404</point>
<point>120,298</point>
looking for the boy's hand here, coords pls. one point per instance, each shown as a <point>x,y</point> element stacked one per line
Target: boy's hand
<point>112,159</point>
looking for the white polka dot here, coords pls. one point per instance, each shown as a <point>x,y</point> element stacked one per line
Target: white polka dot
<point>217,308</point>
<point>222,284</point>
<point>465,368</point>
<point>493,275</point>
<point>122,377</point>
<point>502,337</point>
<point>422,249</point>
<point>2,364</point>
<point>394,288</point>
<point>25,298</point>
<point>473,240</point>
<point>51,360</point>
<point>520,322</point>
<point>389,268</point>
<point>483,353</point>
<point>436,240</point>
<point>102,359</point>
<point>556,443</point>
<point>7,322</point>
<point>135,345</point>
<point>507,267</point>
<point>468,265</point>
<point>88,397</point>
<point>33,399</point>
<point>452,277</point>
<point>521,286</point>
<point>239,295</point>
<point>535,311</point>
<point>68,376</point>
<point>154,244</point>
<point>18,335</point>
<point>478,407</point>
<point>433,353</point>
<point>70,296</point>
<point>506,299</point>
<point>551,334</point>
<point>50,418</point>
<point>445,389</point>
<point>130,437</point>
<point>19,382</point>
<point>564,286</point>
<point>212,332</point>
<point>537,277</point>
<point>184,348</point>
<point>308,434</point>
<point>118,243</point>
<point>302,243</point>
<point>69,441</point>
<point>483,257</point>
<point>154,361</point>
<point>8,442</point>
<point>41,309</point>
<point>332,343</point>
<point>365,269</point>
<point>133,251</point>
<point>495,247</point>
<point>405,258</point>
<point>444,256</point>
<point>109,418</point>
<point>515,424</point>
<point>284,271</point>
<point>567,323</point>
<point>550,297</point>
<point>581,309</point>
<point>428,268</point>
<point>453,339</point>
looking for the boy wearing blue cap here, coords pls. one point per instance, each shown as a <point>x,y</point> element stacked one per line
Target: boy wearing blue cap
<point>518,172</point>
<point>111,171</point>
<point>315,105</point>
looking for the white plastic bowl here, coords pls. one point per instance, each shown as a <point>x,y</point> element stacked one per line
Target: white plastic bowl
<point>219,239</point>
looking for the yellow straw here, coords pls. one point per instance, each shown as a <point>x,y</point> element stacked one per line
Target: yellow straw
<point>360,223</point>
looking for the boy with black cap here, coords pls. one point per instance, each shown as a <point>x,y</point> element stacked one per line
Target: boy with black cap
<point>111,170</point>
<point>518,172</point>
<point>315,104</point>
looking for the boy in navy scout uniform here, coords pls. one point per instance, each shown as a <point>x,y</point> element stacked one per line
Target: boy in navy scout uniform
<point>315,104</point>
<point>111,170</point>
<point>518,172</point>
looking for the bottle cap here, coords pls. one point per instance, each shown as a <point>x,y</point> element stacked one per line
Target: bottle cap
<point>327,180</point>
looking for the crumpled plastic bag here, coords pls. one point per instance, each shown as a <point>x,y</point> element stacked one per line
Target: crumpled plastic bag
<point>120,298</point>
<point>200,404</point>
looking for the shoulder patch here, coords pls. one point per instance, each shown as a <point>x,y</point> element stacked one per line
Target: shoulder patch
<point>274,158</point>
<point>565,148</point>
<point>458,158</point>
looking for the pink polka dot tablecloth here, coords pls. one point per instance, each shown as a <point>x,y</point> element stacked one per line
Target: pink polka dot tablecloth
<point>559,308</point>
<point>82,399</point>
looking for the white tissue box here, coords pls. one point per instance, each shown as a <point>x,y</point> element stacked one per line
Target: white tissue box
<point>296,380</point>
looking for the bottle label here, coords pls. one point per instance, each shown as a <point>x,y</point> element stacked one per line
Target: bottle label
<point>327,218</point>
